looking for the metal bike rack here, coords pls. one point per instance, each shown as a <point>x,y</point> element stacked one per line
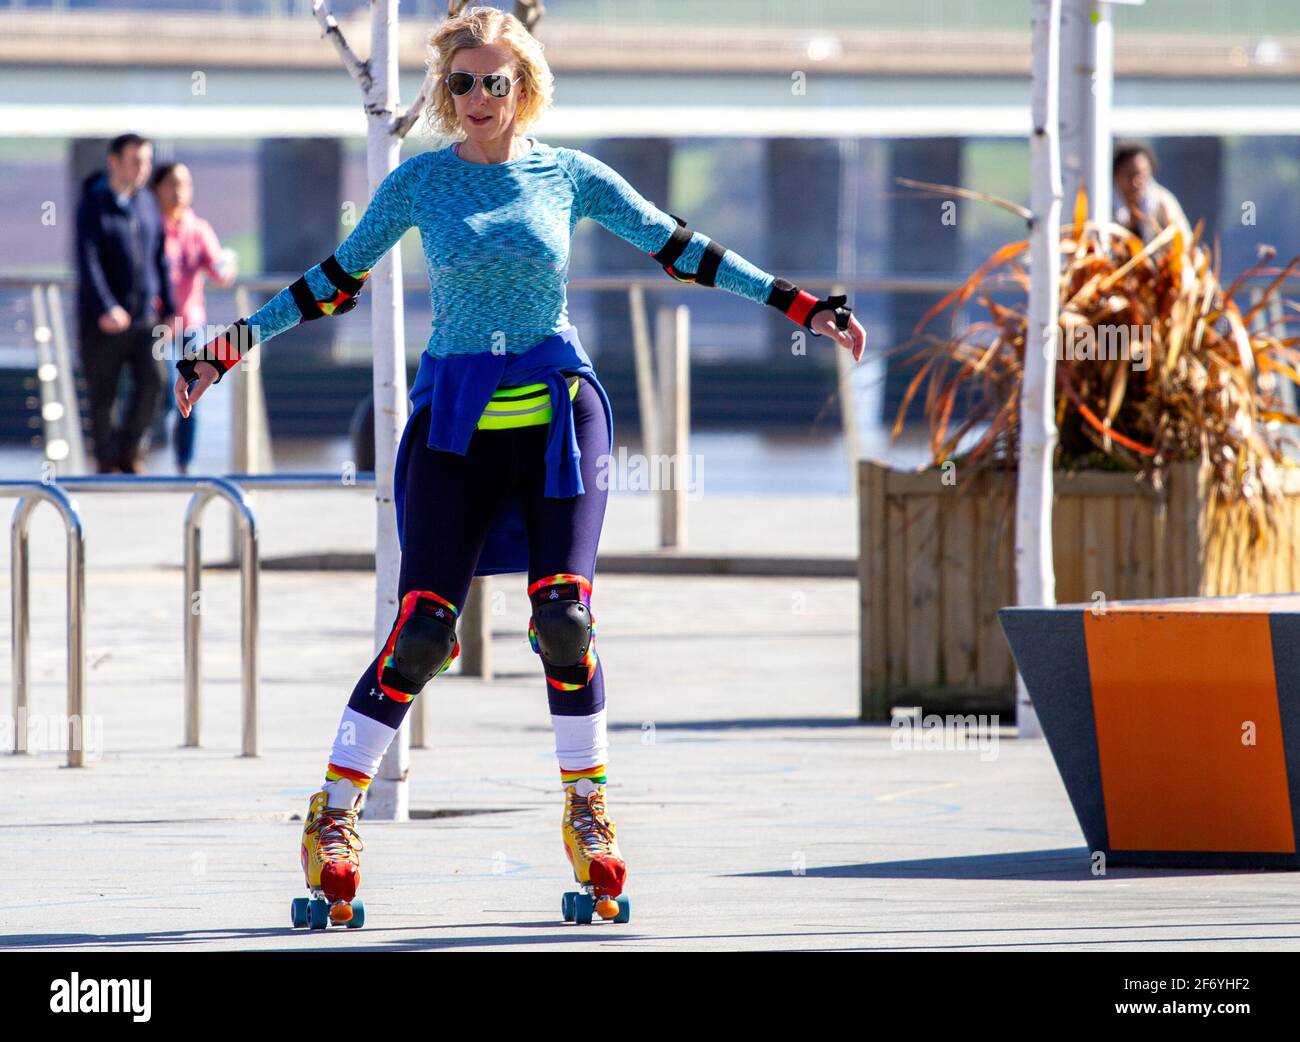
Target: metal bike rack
<point>249,570</point>
<point>30,494</point>
<point>234,488</point>
<point>203,489</point>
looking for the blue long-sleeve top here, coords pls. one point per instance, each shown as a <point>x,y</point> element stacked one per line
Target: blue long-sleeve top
<point>496,239</point>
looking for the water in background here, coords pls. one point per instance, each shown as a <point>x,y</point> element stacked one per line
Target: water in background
<point>745,462</point>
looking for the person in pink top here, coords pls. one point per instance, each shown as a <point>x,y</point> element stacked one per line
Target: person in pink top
<point>193,252</point>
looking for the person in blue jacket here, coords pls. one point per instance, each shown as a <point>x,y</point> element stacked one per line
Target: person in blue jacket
<point>124,293</point>
<point>497,469</point>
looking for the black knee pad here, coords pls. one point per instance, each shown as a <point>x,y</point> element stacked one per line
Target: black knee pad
<point>421,645</point>
<point>562,629</point>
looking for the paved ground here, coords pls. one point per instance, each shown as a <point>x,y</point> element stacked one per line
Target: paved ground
<point>755,812</point>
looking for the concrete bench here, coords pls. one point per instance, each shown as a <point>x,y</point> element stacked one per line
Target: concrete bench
<point>1175,724</point>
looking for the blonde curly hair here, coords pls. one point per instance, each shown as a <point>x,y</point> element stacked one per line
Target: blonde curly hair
<point>474,28</point>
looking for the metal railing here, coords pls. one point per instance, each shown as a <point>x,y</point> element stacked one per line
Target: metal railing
<point>234,488</point>
<point>203,490</point>
<point>60,416</point>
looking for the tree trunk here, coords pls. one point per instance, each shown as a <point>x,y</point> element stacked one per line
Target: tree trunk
<point>1035,578</point>
<point>387,798</point>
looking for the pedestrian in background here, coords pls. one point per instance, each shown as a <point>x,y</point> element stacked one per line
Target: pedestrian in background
<point>124,291</point>
<point>193,252</point>
<point>1143,205</point>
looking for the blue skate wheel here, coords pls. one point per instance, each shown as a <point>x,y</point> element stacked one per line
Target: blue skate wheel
<point>624,910</point>
<point>583,907</point>
<point>299,914</point>
<point>358,916</point>
<point>319,914</point>
<point>566,905</point>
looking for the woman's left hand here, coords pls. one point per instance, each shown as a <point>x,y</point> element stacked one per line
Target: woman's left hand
<point>854,337</point>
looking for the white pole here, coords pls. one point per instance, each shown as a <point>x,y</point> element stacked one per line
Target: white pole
<point>1035,577</point>
<point>388,797</point>
<point>1102,55</point>
<point>646,398</point>
<point>377,78</point>
<point>1076,97</point>
<point>673,336</point>
<point>1087,90</point>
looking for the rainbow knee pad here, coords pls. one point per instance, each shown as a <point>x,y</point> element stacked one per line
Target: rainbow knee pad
<point>421,645</point>
<point>562,630</point>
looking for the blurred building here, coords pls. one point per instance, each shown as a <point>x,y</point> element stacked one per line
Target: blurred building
<point>778,129</point>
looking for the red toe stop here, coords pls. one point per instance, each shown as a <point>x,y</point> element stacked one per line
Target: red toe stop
<point>608,875</point>
<point>339,882</point>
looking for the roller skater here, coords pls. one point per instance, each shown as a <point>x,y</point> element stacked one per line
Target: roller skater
<point>498,467</point>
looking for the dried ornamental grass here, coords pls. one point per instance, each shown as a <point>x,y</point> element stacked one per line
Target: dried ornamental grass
<point>1156,363</point>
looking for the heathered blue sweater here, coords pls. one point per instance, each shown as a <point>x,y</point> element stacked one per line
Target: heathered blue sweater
<point>496,240</point>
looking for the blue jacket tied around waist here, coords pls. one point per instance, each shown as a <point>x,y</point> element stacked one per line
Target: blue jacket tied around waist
<point>457,388</point>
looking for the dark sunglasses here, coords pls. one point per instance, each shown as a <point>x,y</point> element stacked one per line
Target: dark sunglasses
<point>496,84</point>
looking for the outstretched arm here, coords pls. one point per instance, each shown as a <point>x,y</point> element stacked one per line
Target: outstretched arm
<point>606,197</point>
<point>329,288</point>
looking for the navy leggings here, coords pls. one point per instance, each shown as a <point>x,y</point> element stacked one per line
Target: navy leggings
<point>449,501</point>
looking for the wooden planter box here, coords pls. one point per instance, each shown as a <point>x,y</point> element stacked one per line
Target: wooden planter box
<point>935,565</point>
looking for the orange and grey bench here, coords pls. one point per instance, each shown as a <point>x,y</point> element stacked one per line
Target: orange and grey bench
<point>1175,724</point>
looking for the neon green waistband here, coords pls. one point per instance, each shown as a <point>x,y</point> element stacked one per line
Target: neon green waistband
<point>526,406</point>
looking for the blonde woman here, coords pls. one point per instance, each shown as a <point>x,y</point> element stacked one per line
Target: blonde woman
<point>497,467</point>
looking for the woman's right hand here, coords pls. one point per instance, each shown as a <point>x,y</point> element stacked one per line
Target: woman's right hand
<point>185,395</point>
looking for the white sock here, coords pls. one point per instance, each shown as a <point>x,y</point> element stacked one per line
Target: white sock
<point>360,743</point>
<point>580,741</point>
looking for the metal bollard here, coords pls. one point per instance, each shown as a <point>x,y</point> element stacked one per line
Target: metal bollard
<point>31,494</point>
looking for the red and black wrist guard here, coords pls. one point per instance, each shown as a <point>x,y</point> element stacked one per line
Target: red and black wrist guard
<point>347,289</point>
<point>799,306</point>
<point>222,352</point>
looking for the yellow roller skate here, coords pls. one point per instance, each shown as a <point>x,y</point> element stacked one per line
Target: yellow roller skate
<point>591,846</point>
<point>331,859</point>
